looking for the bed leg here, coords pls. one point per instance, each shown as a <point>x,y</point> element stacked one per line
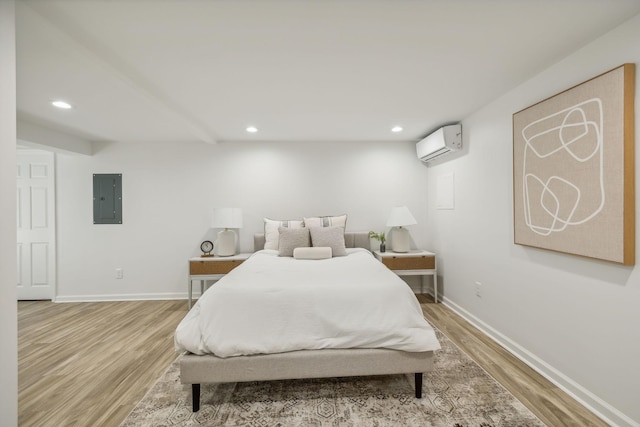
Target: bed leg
<point>418,385</point>
<point>195,397</point>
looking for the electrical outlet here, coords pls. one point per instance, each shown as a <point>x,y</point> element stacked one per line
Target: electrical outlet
<point>118,273</point>
<point>479,289</point>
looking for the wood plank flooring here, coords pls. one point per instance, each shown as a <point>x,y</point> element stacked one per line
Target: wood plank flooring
<point>552,405</point>
<point>88,364</point>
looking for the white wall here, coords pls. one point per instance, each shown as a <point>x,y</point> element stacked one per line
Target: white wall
<point>575,319</point>
<point>169,191</point>
<point>8,262</point>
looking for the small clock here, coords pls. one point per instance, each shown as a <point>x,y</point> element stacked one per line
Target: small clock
<point>206,247</point>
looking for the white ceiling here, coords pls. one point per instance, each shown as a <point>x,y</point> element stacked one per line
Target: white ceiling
<point>197,70</point>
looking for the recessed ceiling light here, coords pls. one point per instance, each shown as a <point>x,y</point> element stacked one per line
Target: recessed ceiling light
<point>61,104</point>
<point>396,129</point>
<point>252,129</point>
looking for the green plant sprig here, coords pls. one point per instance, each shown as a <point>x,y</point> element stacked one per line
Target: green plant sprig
<point>378,236</point>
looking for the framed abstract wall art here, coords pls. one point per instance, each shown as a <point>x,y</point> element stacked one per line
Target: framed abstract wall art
<point>573,170</point>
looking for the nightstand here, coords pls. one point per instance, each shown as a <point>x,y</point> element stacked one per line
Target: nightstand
<point>412,263</point>
<point>212,268</point>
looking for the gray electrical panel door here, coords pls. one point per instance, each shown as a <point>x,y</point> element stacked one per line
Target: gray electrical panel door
<point>107,198</point>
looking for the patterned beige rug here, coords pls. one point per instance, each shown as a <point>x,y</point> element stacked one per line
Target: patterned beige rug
<point>457,393</point>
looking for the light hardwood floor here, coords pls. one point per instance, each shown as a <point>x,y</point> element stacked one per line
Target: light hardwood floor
<point>88,364</point>
<point>553,406</point>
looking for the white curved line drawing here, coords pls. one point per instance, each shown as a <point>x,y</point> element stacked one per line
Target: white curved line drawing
<point>554,214</point>
<point>531,134</point>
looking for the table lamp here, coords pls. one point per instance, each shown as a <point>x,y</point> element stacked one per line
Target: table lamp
<point>400,240</point>
<point>226,218</point>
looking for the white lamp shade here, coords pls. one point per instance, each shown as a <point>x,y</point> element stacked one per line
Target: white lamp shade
<point>227,218</point>
<point>400,216</point>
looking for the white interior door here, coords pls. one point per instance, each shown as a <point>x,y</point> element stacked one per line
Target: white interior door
<point>36,224</point>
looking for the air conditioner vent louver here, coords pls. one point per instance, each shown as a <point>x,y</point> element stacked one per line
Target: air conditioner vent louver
<point>440,142</point>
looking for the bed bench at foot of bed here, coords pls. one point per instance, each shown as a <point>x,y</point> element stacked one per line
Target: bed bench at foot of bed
<point>196,370</point>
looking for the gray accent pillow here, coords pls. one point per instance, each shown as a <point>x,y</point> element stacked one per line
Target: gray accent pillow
<point>291,238</point>
<point>332,237</point>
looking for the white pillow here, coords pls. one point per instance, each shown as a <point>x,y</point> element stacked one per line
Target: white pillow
<point>271,234</point>
<point>332,237</point>
<point>312,253</point>
<point>326,221</point>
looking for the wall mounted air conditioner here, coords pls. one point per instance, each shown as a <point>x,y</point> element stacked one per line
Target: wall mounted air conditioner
<point>440,142</point>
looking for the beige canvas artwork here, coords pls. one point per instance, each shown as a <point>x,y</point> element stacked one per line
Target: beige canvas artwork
<point>573,170</point>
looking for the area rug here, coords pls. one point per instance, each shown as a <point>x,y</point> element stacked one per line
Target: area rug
<point>457,393</point>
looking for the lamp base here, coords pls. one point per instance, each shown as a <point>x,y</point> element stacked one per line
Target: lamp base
<point>400,240</point>
<point>226,243</point>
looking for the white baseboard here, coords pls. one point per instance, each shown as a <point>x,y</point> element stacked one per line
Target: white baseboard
<point>122,297</point>
<point>599,407</point>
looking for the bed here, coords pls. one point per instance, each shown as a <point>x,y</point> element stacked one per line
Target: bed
<point>306,339</point>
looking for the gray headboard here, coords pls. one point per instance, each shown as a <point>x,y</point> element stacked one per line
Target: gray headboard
<point>352,239</point>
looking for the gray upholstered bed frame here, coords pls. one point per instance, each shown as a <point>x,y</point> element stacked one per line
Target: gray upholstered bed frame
<point>196,370</point>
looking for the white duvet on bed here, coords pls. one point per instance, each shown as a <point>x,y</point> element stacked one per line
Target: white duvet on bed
<point>273,304</point>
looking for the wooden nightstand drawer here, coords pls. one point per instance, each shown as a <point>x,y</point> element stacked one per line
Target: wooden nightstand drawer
<point>416,262</point>
<point>424,262</point>
<point>213,267</point>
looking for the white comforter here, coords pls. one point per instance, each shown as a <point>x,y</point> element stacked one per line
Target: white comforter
<point>273,304</point>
